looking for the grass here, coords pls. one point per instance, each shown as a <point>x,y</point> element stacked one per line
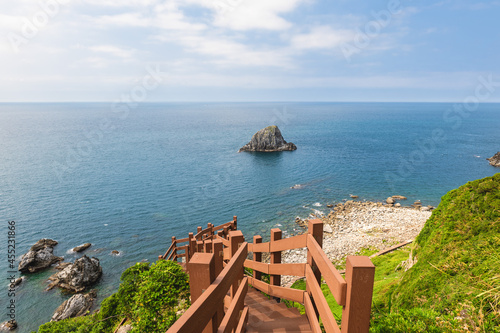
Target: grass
<point>455,284</point>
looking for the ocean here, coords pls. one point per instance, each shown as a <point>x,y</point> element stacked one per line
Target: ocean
<point>128,178</point>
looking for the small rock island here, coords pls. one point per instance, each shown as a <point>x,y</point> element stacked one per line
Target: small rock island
<point>495,160</point>
<point>268,139</point>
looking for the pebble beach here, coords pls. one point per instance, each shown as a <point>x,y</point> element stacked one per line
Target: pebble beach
<point>355,225</point>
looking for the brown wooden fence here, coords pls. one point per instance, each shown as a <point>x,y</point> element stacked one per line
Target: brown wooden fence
<point>215,259</point>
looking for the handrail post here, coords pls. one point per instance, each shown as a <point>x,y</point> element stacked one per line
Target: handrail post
<point>207,246</point>
<point>210,227</point>
<point>359,275</point>
<point>192,245</point>
<point>174,250</point>
<point>218,247</point>
<point>257,257</point>
<point>275,258</point>
<point>226,231</point>
<point>199,246</point>
<point>235,222</point>
<point>199,229</point>
<point>201,270</point>
<point>315,228</point>
<point>235,239</point>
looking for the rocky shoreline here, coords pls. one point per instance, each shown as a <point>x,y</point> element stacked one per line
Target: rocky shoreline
<point>356,225</point>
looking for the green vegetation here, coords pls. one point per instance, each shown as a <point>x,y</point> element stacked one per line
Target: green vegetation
<point>149,297</point>
<point>456,278</point>
<point>455,284</point>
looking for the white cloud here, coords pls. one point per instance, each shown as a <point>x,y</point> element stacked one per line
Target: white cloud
<point>322,37</point>
<point>166,16</point>
<point>250,14</point>
<point>226,52</point>
<point>122,3</point>
<point>113,51</point>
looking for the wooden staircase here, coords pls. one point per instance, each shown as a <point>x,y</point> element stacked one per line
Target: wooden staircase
<point>227,286</point>
<point>266,315</point>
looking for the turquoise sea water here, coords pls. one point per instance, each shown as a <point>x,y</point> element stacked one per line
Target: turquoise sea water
<point>128,181</point>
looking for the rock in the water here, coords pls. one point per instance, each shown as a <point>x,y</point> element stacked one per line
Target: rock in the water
<point>8,325</point>
<point>76,277</point>
<point>390,200</point>
<point>76,306</point>
<point>397,205</point>
<point>115,252</point>
<point>353,196</point>
<point>398,197</point>
<point>495,160</point>
<point>268,139</point>
<point>82,247</point>
<point>39,256</point>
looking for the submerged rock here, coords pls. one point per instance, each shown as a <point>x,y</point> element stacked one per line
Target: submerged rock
<point>268,139</point>
<point>40,256</point>
<point>76,306</point>
<point>8,325</point>
<point>82,247</point>
<point>76,277</point>
<point>495,160</point>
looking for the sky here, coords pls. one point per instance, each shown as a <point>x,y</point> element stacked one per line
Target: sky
<point>249,50</point>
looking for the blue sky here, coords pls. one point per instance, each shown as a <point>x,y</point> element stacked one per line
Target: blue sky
<point>248,50</point>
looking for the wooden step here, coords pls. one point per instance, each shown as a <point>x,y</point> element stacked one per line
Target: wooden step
<point>266,315</point>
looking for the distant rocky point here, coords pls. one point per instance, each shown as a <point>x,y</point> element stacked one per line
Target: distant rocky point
<point>495,160</point>
<point>268,139</point>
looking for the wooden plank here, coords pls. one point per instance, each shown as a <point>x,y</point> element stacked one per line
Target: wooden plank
<point>223,240</point>
<point>332,277</point>
<point>171,255</point>
<point>287,269</point>
<point>392,248</point>
<point>290,243</point>
<point>230,321</point>
<point>261,247</point>
<point>311,314</point>
<point>243,321</point>
<point>169,249</point>
<point>257,266</point>
<point>223,225</point>
<point>183,240</point>
<point>287,293</point>
<point>201,312</point>
<point>257,284</point>
<point>250,247</point>
<point>226,254</point>
<point>319,299</point>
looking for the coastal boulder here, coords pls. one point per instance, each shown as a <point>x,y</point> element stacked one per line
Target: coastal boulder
<point>76,306</point>
<point>40,256</point>
<point>76,277</point>
<point>390,200</point>
<point>82,247</point>
<point>495,160</point>
<point>8,325</point>
<point>268,139</point>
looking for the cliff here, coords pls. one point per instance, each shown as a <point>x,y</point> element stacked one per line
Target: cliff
<point>268,139</point>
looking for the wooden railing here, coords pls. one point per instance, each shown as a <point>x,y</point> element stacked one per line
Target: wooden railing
<point>195,243</point>
<point>215,263</point>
